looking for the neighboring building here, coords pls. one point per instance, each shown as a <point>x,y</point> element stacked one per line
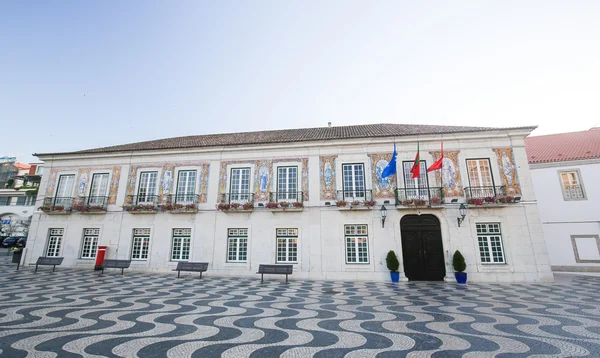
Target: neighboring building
<point>19,184</point>
<point>565,168</point>
<point>170,200</point>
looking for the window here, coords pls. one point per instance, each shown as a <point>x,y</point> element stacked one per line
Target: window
<point>481,182</point>
<point>357,244</point>
<point>489,238</point>
<point>287,245</point>
<point>354,180</point>
<point>237,245</point>
<point>180,250</point>
<point>98,189</point>
<point>240,185</point>
<point>141,243</point>
<point>287,183</point>
<point>64,191</point>
<point>147,188</point>
<point>54,241</point>
<point>415,187</point>
<point>21,200</point>
<point>30,200</point>
<point>572,187</point>
<point>90,243</point>
<point>5,200</point>
<point>186,187</point>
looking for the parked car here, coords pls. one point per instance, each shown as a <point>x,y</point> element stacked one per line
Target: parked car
<point>21,242</point>
<point>10,241</point>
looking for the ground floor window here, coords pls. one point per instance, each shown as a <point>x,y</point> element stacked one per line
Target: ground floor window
<point>357,244</point>
<point>89,246</point>
<point>55,237</point>
<point>180,248</point>
<point>237,245</point>
<point>489,239</point>
<point>287,245</point>
<point>141,244</point>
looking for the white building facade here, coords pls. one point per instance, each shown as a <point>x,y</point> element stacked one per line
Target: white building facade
<point>565,169</point>
<point>240,200</point>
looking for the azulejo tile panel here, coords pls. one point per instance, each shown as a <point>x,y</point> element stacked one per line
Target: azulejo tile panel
<point>83,181</point>
<point>508,170</point>
<point>262,179</point>
<point>383,188</point>
<point>327,176</point>
<point>449,175</point>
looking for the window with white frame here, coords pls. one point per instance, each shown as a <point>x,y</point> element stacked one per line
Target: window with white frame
<point>287,183</point>
<point>240,185</point>
<point>415,187</point>
<point>55,237</point>
<point>180,248</point>
<point>287,245</point>
<point>30,200</point>
<point>147,187</point>
<point>572,187</point>
<point>140,244</point>
<point>64,190</point>
<point>481,183</point>
<point>489,238</point>
<point>89,246</point>
<point>357,244</point>
<point>237,245</point>
<point>353,176</point>
<point>186,187</point>
<point>98,189</point>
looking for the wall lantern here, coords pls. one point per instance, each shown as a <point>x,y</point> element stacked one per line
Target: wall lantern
<point>383,215</point>
<point>463,213</point>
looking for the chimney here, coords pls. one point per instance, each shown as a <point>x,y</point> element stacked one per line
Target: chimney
<point>329,124</point>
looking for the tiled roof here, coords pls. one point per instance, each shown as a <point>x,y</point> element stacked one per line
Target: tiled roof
<point>563,147</point>
<point>288,136</point>
<point>22,166</point>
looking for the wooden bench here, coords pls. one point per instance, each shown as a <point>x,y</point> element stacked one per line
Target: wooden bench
<point>275,270</point>
<point>122,264</point>
<point>191,267</point>
<point>48,261</point>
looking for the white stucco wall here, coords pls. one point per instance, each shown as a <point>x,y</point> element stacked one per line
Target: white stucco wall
<point>321,239</point>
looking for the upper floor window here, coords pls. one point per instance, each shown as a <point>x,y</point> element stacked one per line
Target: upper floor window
<point>287,183</point>
<point>481,183</point>
<point>98,189</point>
<point>147,187</point>
<point>420,182</point>
<point>65,186</point>
<point>186,186</point>
<point>571,184</point>
<point>354,180</point>
<point>240,184</point>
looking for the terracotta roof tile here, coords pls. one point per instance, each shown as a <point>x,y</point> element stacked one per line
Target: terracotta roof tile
<point>563,147</point>
<point>286,136</point>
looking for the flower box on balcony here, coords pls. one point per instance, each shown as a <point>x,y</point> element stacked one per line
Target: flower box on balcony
<point>140,209</point>
<point>355,205</point>
<point>236,208</point>
<point>491,202</point>
<point>180,208</point>
<point>89,209</point>
<point>55,210</point>
<point>284,206</point>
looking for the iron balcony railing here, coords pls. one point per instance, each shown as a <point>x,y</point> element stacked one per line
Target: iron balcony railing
<point>287,196</point>
<point>183,199</point>
<point>91,203</point>
<point>354,195</point>
<point>149,200</point>
<point>57,204</point>
<point>419,196</point>
<point>240,198</point>
<point>573,192</point>
<point>482,192</point>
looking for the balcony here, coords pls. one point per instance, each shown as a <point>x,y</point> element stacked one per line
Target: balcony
<point>236,202</point>
<point>489,196</point>
<point>181,203</point>
<point>57,206</point>
<point>354,199</point>
<point>141,204</point>
<point>91,204</point>
<point>419,197</point>
<point>286,201</point>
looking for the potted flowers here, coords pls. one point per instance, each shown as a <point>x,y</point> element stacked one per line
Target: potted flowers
<point>17,252</point>
<point>341,204</point>
<point>393,264</point>
<point>459,264</point>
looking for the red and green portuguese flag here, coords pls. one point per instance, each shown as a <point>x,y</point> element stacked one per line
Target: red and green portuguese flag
<point>416,169</point>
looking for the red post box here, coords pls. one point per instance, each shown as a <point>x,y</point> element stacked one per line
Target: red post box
<point>100,257</point>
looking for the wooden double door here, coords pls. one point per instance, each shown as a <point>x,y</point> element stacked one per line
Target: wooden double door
<point>422,249</point>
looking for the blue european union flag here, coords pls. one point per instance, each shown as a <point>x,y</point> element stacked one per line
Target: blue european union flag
<point>391,167</point>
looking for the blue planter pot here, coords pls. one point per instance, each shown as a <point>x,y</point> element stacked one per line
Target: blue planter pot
<point>395,276</point>
<point>461,277</point>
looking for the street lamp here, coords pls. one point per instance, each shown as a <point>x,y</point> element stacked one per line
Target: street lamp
<point>463,212</point>
<point>383,215</point>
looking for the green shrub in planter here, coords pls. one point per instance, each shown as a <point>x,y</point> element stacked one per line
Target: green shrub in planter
<point>392,261</point>
<point>459,264</point>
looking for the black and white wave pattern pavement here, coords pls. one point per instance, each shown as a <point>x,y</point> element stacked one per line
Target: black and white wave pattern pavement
<point>74,313</point>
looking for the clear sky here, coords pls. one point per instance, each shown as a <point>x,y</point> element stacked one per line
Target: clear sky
<point>84,74</point>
